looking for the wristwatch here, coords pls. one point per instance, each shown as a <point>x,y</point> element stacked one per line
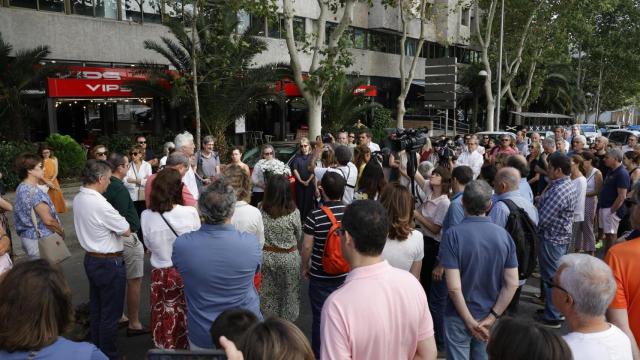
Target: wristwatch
<point>495,314</point>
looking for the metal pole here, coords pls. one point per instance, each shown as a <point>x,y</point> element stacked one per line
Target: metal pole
<point>500,68</point>
<point>446,122</point>
<point>455,118</point>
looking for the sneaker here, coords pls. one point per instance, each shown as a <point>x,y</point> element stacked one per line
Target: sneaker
<point>538,300</point>
<point>551,324</point>
<point>540,312</point>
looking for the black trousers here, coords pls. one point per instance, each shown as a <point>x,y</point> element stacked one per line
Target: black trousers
<point>429,262</point>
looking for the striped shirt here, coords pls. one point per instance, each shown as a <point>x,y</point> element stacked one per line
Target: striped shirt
<point>318,225</point>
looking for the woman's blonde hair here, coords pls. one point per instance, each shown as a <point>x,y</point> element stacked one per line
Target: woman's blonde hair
<point>239,180</point>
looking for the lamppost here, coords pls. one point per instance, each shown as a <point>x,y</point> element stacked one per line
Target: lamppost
<point>498,95</point>
<point>482,74</point>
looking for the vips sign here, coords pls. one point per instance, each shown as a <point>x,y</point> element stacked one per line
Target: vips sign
<point>91,82</point>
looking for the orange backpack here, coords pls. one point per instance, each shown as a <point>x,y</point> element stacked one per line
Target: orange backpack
<point>332,260</point>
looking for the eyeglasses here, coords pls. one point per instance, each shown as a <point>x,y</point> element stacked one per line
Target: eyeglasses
<point>352,136</point>
<point>551,285</point>
<point>142,142</point>
<point>135,153</point>
<point>102,153</point>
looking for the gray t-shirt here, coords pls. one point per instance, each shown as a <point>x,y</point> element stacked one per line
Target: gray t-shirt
<point>207,165</point>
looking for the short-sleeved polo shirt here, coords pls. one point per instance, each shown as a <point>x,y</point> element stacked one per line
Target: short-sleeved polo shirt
<point>481,250</point>
<point>617,178</point>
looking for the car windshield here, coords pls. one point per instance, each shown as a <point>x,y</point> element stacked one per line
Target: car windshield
<point>284,153</point>
<point>588,128</point>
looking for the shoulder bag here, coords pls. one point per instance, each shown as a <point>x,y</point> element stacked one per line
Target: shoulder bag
<point>52,247</point>
<point>169,225</point>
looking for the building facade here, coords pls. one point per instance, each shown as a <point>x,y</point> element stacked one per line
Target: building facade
<point>102,42</point>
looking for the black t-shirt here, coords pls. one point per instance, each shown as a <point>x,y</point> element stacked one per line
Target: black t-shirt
<point>601,166</point>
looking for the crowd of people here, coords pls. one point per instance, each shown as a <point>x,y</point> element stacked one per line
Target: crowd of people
<point>399,264</point>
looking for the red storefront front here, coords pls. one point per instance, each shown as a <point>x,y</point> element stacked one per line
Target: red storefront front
<point>87,102</point>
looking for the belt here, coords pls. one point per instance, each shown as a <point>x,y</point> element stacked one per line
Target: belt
<point>279,250</point>
<point>105,255</point>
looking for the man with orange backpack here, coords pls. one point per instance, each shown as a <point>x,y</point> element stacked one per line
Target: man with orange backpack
<point>322,261</point>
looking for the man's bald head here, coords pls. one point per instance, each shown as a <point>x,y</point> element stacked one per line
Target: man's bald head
<point>507,179</point>
<point>519,162</point>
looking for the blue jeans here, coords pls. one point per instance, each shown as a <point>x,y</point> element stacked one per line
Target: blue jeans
<point>319,291</point>
<point>461,345</point>
<point>437,306</point>
<point>548,255</point>
<point>107,279</point>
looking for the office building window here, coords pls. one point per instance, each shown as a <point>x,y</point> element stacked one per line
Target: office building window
<point>28,4</point>
<point>410,47</point>
<point>82,7</point>
<point>465,16</point>
<point>106,9</point>
<point>278,30</point>
<point>51,5</point>
<point>358,38</point>
<point>142,11</point>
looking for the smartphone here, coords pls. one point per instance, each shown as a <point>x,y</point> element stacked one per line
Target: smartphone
<point>160,354</point>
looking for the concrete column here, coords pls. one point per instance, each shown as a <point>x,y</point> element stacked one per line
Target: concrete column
<point>52,115</point>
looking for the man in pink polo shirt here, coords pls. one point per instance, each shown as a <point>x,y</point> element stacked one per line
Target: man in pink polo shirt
<point>180,162</point>
<point>380,312</point>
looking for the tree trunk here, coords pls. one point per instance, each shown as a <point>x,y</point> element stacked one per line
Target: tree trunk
<point>196,100</point>
<point>491,103</point>
<point>518,117</point>
<point>315,117</point>
<point>401,110</point>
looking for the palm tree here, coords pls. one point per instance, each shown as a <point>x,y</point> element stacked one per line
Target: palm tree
<point>227,85</point>
<point>560,92</point>
<point>18,73</point>
<point>343,105</point>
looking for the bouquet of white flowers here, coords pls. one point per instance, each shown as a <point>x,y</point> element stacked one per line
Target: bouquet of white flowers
<point>273,167</point>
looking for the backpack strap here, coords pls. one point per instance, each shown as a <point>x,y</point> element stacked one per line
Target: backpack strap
<point>511,205</point>
<point>330,215</point>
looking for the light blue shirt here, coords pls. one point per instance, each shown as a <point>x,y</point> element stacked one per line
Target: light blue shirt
<point>60,349</point>
<point>455,213</point>
<point>525,189</point>
<point>499,213</point>
<point>217,264</point>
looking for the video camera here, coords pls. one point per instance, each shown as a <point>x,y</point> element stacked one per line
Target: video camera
<point>406,139</point>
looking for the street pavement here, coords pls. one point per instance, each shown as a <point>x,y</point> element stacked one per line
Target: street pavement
<point>137,346</point>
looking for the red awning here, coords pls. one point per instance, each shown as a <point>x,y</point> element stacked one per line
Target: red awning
<point>292,90</point>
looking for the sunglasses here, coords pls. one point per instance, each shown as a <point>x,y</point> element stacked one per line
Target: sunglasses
<point>135,153</point>
<point>142,142</point>
<point>551,285</point>
<point>102,153</point>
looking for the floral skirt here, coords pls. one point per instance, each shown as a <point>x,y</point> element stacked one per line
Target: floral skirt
<point>168,309</point>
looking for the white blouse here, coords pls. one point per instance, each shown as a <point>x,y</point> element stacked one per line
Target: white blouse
<point>159,238</point>
<point>133,173</point>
